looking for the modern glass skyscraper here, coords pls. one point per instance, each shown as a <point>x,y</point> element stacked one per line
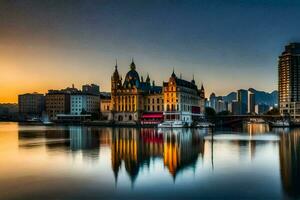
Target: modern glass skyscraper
<point>242,96</point>
<point>289,80</point>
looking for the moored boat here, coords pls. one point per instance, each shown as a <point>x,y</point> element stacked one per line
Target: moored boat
<point>165,124</point>
<point>172,124</point>
<point>280,123</point>
<point>204,125</point>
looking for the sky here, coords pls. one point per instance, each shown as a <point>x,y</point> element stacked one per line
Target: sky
<point>227,45</point>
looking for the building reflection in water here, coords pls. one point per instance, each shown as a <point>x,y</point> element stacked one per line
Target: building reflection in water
<point>77,139</point>
<point>256,128</point>
<point>177,150</point>
<point>51,138</point>
<point>135,148</point>
<point>289,153</point>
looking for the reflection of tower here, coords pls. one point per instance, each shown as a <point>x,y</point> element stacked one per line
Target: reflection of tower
<point>136,148</point>
<point>181,150</point>
<point>126,147</point>
<point>289,153</point>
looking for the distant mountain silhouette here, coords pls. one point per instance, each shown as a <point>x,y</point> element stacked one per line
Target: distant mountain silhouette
<point>261,97</point>
<point>230,97</point>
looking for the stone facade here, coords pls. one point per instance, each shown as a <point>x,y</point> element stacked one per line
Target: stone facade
<point>133,96</point>
<point>182,100</point>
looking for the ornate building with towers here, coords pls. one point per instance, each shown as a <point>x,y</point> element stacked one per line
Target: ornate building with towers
<point>137,100</point>
<point>133,97</point>
<point>182,100</point>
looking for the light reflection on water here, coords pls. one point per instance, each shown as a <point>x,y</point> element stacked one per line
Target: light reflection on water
<point>90,162</point>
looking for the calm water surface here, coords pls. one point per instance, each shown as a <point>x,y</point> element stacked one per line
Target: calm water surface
<point>75,162</point>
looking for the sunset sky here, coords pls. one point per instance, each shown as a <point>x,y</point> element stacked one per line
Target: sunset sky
<point>52,44</point>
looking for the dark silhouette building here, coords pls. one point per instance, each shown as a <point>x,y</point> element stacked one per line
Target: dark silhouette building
<point>31,105</point>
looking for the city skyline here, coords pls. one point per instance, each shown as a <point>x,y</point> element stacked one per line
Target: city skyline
<point>53,45</point>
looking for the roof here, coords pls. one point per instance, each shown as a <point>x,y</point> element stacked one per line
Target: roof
<point>148,88</point>
<point>184,83</point>
<point>132,78</point>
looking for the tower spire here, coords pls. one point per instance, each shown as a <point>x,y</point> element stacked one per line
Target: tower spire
<point>173,73</point>
<point>148,78</point>
<point>193,80</point>
<point>132,65</point>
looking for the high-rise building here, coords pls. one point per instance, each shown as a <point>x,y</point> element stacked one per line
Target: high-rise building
<point>289,80</point>
<point>234,107</point>
<point>213,101</point>
<point>31,105</point>
<point>243,101</point>
<point>251,102</point>
<point>202,98</point>
<point>221,105</point>
<point>261,108</point>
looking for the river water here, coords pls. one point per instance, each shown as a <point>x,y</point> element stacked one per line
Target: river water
<point>75,162</point>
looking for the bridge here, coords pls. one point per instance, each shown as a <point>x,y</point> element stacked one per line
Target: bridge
<point>238,119</point>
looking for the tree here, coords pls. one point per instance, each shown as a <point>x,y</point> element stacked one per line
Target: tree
<point>273,111</point>
<point>225,112</point>
<point>210,112</point>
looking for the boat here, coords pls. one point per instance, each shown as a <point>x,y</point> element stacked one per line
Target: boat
<point>172,124</point>
<point>48,123</point>
<point>165,124</point>
<point>34,119</point>
<point>45,120</point>
<point>204,125</point>
<point>280,123</point>
<point>178,124</point>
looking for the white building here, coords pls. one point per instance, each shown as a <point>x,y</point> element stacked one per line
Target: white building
<point>251,102</point>
<point>221,106</point>
<point>82,103</point>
